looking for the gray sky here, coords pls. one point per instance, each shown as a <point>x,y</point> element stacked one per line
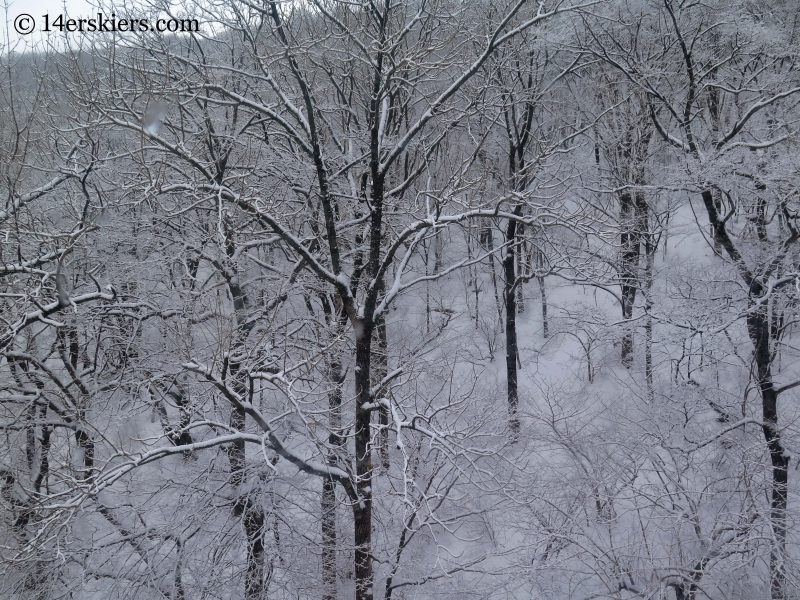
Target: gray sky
<point>37,8</point>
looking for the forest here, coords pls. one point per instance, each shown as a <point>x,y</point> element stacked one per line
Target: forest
<point>401,299</point>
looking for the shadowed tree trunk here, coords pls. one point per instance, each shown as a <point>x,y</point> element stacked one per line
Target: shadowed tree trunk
<point>247,505</point>
<point>537,254</point>
<point>487,240</point>
<point>650,255</point>
<point>510,297</point>
<point>335,319</point>
<point>381,371</point>
<point>759,331</point>
<point>362,507</point>
<point>633,218</point>
<point>520,259</point>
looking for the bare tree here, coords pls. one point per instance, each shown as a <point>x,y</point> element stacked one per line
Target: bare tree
<point>710,105</point>
<point>300,128</point>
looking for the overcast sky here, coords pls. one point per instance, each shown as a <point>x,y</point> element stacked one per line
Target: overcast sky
<point>37,8</point>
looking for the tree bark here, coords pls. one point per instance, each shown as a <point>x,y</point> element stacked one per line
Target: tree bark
<point>539,255</point>
<point>336,442</point>
<point>630,238</point>
<point>381,371</point>
<point>245,506</point>
<point>509,295</point>
<point>520,260</point>
<point>650,254</point>
<point>328,540</point>
<point>759,331</point>
<point>253,521</point>
<point>362,507</point>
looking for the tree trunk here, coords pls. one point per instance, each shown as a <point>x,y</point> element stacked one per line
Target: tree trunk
<point>633,219</point>
<point>509,295</point>
<point>381,371</point>
<point>328,501</point>
<point>650,252</point>
<point>758,329</point>
<point>425,260</point>
<point>545,326</point>
<point>438,247</point>
<point>362,508</point>
<point>250,510</point>
<point>630,257</point>
<point>539,255</point>
<point>520,260</point>
<point>253,521</point>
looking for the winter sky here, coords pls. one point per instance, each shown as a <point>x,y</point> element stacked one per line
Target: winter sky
<point>9,38</point>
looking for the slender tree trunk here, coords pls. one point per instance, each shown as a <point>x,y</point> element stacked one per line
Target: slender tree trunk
<point>328,501</point>
<point>381,371</point>
<point>542,291</point>
<point>30,436</point>
<point>469,287</point>
<point>69,349</point>
<point>44,460</point>
<point>650,252</point>
<point>716,196</point>
<point>545,325</point>
<point>629,240</point>
<point>362,508</point>
<point>477,282</point>
<point>520,259</point>
<point>425,260</point>
<point>364,329</point>
<point>245,506</point>
<point>253,521</point>
<point>633,218</point>
<point>589,368</point>
<point>650,249</point>
<point>489,241</point>
<point>509,295</point>
<point>758,329</point>
<point>251,513</point>
<point>438,247</point>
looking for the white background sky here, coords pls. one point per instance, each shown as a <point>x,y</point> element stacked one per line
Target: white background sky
<point>37,8</point>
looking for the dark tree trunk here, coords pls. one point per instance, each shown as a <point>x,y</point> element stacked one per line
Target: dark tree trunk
<point>539,255</point>
<point>487,238</point>
<point>520,260</point>
<point>438,245</point>
<point>509,295</point>
<point>30,436</point>
<point>381,371</point>
<point>650,255</point>
<point>328,540</point>
<point>336,441</point>
<point>44,461</point>
<point>248,505</point>
<point>630,258</point>
<point>543,292</point>
<point>362,507</point>
<point>758,329</point>
<point>633,218</point>
<point>253,521</point>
